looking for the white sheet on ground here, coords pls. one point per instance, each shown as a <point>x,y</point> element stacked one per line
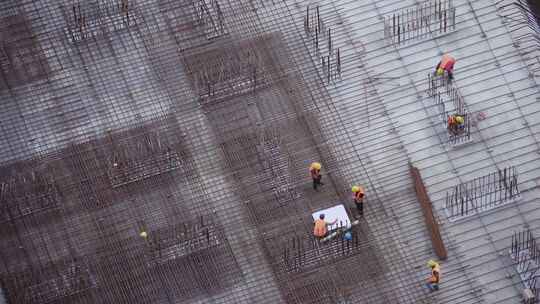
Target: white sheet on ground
<point>331,214</point>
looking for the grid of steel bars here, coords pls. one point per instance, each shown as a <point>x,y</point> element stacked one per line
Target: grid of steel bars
<point>128,177</point>
<point>482,193</point>
<point>521,18</point>
<point>429,19</point>
<point>157,192</point>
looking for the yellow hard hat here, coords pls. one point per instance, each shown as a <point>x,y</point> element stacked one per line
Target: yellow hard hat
<point>316,166</point>
<point>357,189</point>
<point>440,72</point>
<point>432,263</point>
<point>143,234</point>
<point>459,119</point>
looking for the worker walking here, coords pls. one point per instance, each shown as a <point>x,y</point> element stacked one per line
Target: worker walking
<point>320,229</point>
<point>315,171</point>
<point>358,197</point>
<point>456,124</point>
<point>446,64</point>
<point>435,278</point>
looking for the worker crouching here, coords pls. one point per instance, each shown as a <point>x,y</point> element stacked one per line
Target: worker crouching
<point>358,198</point>
<point>435,278</point>
<point>320,229</point>
<point>456,124</point>
<point>315,171</point>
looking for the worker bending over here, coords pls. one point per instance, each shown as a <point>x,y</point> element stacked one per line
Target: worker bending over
<point>446,64</point>
<point>320,230</point>
<point>358,197</point>
<point>456,124</point>
<point>435,278</point>
<point>315,171</point>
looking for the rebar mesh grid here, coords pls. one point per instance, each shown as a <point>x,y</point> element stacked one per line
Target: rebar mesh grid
<point>153,114</point>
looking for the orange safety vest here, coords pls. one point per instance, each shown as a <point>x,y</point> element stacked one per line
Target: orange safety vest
<point>320,228</point>
<point>314,172</point>
<point>451,120</point>
<point>447,62</point>
<point>435,275</point>
<point>358,196</point>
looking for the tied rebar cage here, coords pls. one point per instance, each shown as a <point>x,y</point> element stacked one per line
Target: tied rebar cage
<point>449,101</point>
<point>482,194</point>
<point>304,252</point>
<point>93,19</point>
<point>427,20</point>
<point>525,254</point>
<point>231,70</point>
<point>298,254</point>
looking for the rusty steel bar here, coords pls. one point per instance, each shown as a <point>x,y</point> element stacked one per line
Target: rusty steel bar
<point>431,223</point>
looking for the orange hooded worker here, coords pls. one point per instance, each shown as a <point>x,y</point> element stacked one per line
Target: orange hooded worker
<point>446,64</point>
<point>320,226</point>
